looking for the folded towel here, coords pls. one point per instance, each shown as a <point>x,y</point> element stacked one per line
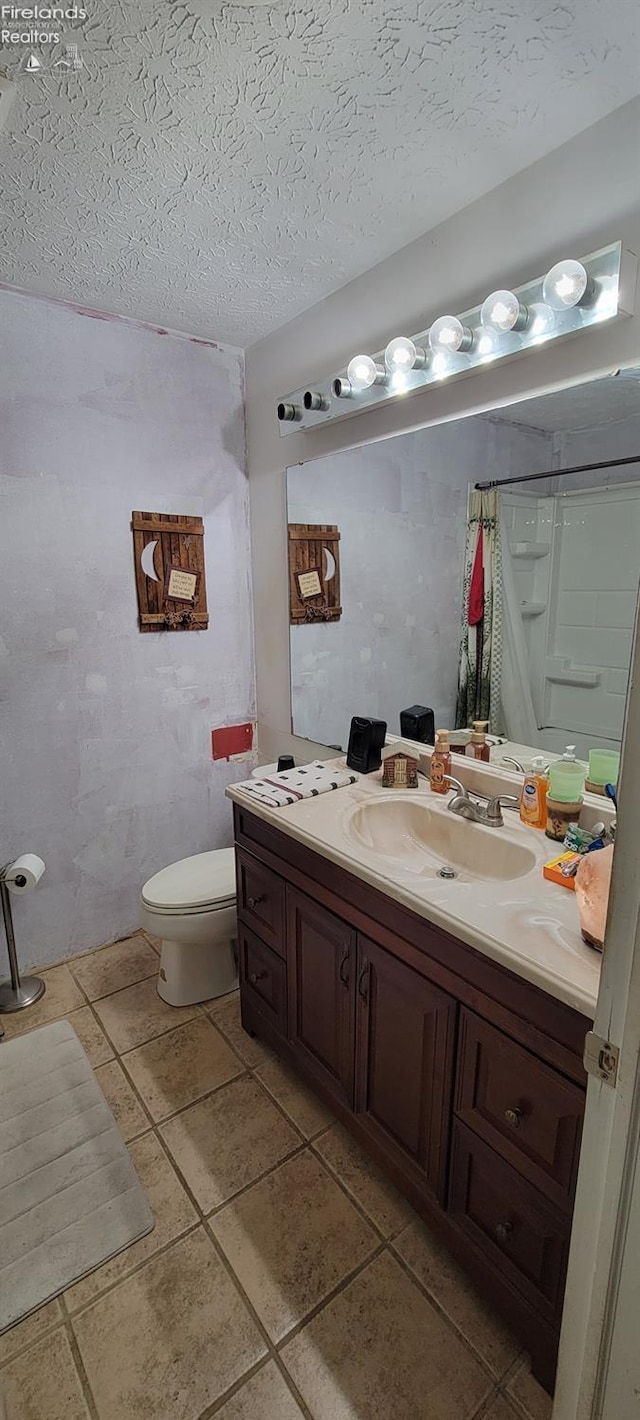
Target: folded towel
<point>294,784</point>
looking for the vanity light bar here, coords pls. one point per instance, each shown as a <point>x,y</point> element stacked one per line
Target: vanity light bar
<point>573,296</point>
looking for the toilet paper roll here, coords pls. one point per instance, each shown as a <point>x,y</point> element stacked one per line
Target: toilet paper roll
<point>25,873</point>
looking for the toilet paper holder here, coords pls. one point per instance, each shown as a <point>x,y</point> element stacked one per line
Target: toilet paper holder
<point>18,993</point>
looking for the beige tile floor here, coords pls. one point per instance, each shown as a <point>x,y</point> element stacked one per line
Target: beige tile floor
<point>285,1278</point>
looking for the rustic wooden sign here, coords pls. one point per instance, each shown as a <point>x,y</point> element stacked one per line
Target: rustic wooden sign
<point>314,572</point>
<point>168,554</point>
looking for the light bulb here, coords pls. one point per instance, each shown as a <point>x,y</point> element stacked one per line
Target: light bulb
<point>489,345</point>
<point>542,323</point>
<point>448,334</point>
<point>566,284</point>
<point>441,365</point>
<point>362,372</point>
<point>502,311</point>
<point>401,355</point>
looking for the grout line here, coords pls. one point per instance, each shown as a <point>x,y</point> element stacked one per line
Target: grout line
<point>217,1405</point>
<point>124,1277</point>
<point>234,1197</point>
<point>82,1374</point>
<point>158,1036</point>
<point>486,1405</point>
<point>117,1060</point>
<point>270,1345</point>
<point>297,1394</point>
<point>93,1000</point>
<point>199,1099</point>
<point>517,1405</point>
<point>276,1346</point>
<point>269,1359</point>
<point>147,937</point>
<point>39,968</point>
<point>273,1349</point>
<point>28,1345</point>
<point>439,1308</point>
<point>355,1202</point>
<point>340,1286</point>
<point>98,1023</point>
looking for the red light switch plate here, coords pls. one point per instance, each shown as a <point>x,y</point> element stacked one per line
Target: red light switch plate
<point>231,739</point>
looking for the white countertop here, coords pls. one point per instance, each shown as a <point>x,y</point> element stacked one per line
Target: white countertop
<point>527,924</point>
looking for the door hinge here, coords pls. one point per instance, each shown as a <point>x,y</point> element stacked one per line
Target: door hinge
<point>601,1058</point>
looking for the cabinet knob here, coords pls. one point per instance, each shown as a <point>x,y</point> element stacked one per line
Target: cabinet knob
<point>257,976</point>
<point>503,1232</point>
<point>255,901</point>
<point>513,1117</point>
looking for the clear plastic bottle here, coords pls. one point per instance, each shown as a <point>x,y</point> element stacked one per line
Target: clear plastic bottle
<point>440,763</point>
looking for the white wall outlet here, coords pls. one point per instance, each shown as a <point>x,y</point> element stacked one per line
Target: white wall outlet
<point>7,95</point>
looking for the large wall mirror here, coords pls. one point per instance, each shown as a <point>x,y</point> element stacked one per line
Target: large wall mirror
<point>533,630</point>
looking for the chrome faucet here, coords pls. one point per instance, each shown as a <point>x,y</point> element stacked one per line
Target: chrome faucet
<point>489,814</point>
<point>495,806</point>
<point>507,759</point>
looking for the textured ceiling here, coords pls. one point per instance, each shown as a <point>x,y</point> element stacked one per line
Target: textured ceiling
<point>585,406</point>
<point>217,168</point>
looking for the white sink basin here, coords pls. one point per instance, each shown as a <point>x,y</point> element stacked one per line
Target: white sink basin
<point>410,831</point>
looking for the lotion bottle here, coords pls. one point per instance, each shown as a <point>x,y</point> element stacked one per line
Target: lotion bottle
<point>440,764</point>
<point>533,801</point>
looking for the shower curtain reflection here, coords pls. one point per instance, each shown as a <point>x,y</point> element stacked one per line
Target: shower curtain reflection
<point>480,667</point>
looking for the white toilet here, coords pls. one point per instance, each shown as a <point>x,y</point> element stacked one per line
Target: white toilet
<point>191,905</point>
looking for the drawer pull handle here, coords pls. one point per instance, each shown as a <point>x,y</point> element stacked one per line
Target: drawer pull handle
<point>503,1232</point>
<point>363,983</point>
<point>345,967</point>
<point>513,1117</point>
<point>257,976</point>
<point>255,901</point>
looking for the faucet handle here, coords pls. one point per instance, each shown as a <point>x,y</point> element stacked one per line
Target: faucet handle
<point>496,805</point>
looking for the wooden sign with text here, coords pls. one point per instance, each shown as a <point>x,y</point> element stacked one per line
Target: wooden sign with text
<point>168,553</point>
<point>314,572</point>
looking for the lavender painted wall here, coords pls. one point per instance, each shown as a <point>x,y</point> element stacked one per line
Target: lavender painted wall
<point>400,506</point>
<point>106,763</point>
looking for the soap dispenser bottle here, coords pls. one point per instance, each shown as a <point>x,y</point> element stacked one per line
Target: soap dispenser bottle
<point>533,802</point>
<point>440,768</point>
<point>477,747</point>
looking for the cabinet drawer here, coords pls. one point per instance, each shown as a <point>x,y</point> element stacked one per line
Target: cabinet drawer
<point>523,1108</point>
<point>264,979</point>
<point>261,900</point>
<point>521,1234</point>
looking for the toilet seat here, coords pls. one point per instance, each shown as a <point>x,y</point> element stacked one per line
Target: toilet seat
<point>209,910</point>
<point>205,882</point>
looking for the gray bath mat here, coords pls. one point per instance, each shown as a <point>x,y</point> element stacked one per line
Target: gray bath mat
<point>69,1195</point>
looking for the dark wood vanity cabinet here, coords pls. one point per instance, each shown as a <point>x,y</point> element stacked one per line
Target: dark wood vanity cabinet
<point>321,964</point>
<point>464,1082</point>
<point>405,1042</point>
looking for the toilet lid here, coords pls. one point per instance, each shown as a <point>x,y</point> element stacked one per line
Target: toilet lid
<point>207,879</point>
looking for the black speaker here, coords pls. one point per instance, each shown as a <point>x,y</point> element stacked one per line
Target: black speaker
<point>366,742</point>
<point>417,723</point>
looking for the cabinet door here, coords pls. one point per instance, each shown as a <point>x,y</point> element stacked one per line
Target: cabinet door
<point>521,1235</point>
<point>405,1040</point>
<point>321,959</point>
